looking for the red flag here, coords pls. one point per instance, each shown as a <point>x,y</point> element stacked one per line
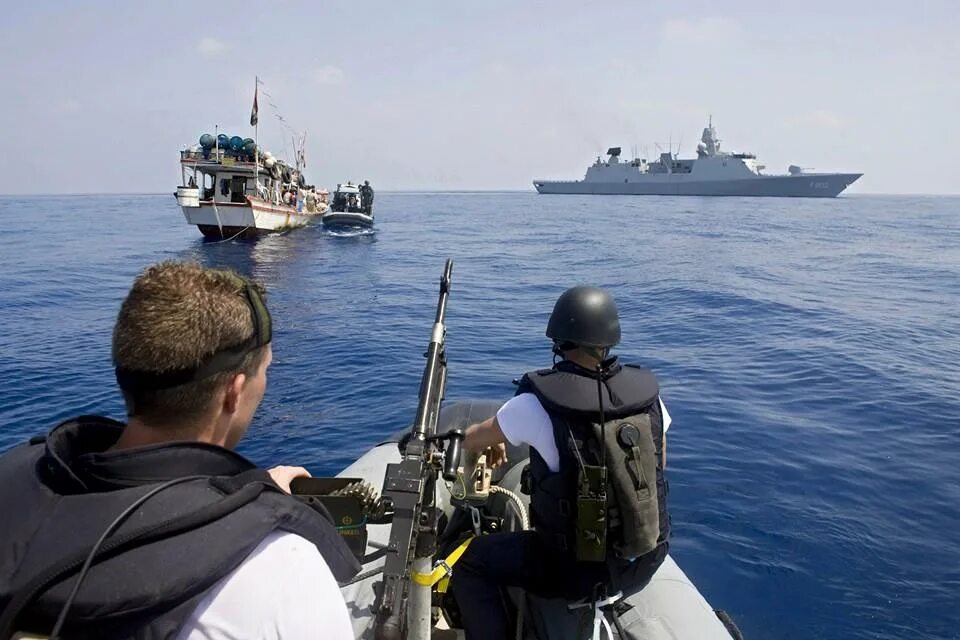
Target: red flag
<point>255,112</point>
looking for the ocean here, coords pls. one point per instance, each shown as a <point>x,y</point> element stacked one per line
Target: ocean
<point>808,351</point>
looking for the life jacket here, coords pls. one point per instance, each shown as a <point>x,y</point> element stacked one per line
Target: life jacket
<point>58,495</point>
<point>637,516</point>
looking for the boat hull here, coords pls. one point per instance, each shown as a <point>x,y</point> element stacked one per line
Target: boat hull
<point>812,185</point>
<point>227,220</point>
<point>346,219</point>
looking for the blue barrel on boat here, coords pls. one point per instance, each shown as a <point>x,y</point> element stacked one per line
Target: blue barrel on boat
<point>207,141</point>
<point>249,147</point>
<point>223,140</point>
<point>236,143</point>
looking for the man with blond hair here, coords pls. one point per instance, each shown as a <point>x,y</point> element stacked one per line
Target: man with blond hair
<point>155,528</point>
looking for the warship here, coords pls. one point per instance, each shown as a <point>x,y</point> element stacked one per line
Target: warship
<point>712,173</point>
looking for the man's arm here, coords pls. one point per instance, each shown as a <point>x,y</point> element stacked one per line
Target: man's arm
<point>487,436</point>
<point>284,475</point>
<point>663,452</point>
<point>483,435</point>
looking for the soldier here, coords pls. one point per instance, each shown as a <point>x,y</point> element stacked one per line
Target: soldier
<point>215,546</point>
<point>557,413</point>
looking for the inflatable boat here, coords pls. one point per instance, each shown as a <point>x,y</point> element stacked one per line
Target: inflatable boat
<point>346,219</point>
<point>668,608</point>
<point>349,208</point>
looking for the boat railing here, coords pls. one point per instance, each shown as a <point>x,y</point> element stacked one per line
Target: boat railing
<point>220,157</point>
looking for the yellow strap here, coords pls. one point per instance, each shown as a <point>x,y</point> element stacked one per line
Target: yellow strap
<point>442,569</point>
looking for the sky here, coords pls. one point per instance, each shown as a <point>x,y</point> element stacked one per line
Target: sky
<point>99,97</point>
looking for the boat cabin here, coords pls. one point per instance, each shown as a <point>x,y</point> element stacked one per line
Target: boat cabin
<point>231,174</point>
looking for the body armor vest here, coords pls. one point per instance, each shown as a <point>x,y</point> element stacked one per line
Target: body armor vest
<point>61,492</point>
<point>636,491</point>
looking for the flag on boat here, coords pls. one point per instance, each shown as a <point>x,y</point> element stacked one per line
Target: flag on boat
<point>255,112</point>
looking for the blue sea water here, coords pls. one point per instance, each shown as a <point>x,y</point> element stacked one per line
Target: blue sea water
<point>808,350</point>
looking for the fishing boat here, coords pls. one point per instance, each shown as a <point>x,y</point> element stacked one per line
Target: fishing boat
<point>230,188</point>
<point>349,208</point>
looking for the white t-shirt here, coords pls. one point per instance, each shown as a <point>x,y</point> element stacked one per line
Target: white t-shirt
<point>282,590</point>
<point>523,420</point>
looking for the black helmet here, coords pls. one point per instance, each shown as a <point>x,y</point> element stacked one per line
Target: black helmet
<point>586,317</point>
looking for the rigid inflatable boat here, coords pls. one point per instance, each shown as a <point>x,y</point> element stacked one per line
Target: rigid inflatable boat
<point>668,608</point>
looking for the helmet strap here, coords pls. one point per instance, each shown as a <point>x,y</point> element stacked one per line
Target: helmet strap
<point>600,353</point>
<point>560,347</point>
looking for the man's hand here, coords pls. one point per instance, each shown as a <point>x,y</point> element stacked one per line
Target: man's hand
<point>496,455</point>
<point>283,475</point>
<point>483,435</point>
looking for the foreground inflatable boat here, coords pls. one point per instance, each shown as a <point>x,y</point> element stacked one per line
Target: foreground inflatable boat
<point>669,608</point>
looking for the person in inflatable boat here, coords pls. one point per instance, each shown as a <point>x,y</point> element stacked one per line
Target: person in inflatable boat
<point>576,549</point>
<point>156,528</point>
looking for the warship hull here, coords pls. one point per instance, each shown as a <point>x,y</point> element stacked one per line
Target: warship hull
<point>809,185</point>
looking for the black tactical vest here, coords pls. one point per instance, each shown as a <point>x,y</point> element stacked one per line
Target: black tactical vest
<point>59,494</point>
<point>569,395</point>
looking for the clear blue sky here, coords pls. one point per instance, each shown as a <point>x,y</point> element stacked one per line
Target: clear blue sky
<point>100,96</point>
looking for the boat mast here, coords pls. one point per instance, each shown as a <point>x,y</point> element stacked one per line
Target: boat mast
<point>302,157</point>
<point>256,141</point>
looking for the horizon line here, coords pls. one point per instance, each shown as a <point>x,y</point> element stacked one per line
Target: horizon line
<point>425,190</point>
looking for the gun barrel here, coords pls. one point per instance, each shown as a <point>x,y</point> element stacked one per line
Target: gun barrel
<point>444,291</point>
<point>434,375</point>
<point>410,486</point>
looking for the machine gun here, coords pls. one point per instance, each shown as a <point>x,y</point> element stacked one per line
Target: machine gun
<point>403,607</point>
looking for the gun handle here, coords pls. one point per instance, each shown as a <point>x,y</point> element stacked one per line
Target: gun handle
<point>477,477</point>
<point>451,456</point>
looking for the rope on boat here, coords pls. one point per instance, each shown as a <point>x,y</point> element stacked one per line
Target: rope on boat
<point>517,503</point>
<point>233,237</point>
<point>217,214</point>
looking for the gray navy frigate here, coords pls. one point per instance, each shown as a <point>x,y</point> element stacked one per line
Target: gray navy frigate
<point>712,173</point>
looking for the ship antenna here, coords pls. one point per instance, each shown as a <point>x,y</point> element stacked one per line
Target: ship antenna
<point>603,424</point>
